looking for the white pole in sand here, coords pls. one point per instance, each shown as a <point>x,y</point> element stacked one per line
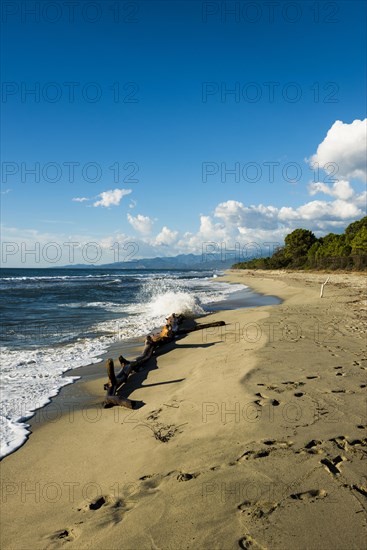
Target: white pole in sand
<point>322,287</point>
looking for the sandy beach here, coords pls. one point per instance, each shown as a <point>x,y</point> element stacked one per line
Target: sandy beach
<point>251,436</point>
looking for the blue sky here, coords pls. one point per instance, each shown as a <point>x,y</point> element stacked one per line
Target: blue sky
<point>165,115</point>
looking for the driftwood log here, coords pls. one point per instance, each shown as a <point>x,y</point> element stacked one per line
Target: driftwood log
<point>116,381</point>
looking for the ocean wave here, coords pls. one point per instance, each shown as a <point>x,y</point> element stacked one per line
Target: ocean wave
<point>109,306</point>
<point>57,277</point>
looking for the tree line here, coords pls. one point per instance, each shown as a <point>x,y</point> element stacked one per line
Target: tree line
<point>303,250</point>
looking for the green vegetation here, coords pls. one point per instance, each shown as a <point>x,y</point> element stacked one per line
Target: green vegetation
<point>302,250</point>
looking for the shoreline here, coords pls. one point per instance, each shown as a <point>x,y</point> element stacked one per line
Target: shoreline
<point>260,464</point>
<point>127,347</point>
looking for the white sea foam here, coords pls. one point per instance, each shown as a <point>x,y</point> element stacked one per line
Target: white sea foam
<point>30,378</point>
<point>58,277</point>
<point>109,306</point>
<point>177,302</point>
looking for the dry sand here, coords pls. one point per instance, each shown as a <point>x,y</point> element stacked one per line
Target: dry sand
<point>265,420</point>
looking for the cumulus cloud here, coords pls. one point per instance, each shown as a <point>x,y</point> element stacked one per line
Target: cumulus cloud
<point>344,149</point>
<point>142,224</point>
<point>361,200</point>
<point>320,210</point>
<point>340,189</point>
<point>209,231</point>
<point>237,214</point>
<point>132,204</point>
<point>112,197</point>
<point>166,237</point>
<point>112,242</point>
<point>243,223</point>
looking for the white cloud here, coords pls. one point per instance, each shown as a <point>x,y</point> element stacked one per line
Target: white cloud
<point>5,192</point>
<point>112,242</point>
<point>112,197</point>
<point>80,199</point>
<point>361,200</point>
<point>209,231</point>
<point>132,204</point>
<point>321,210</point>
<point>344,146</point>
<point>241,223</point>
<point>142,224</point>
<point>237,214</point>
<point>340,189</point>
<point>208,228</point>
<point>166,237</point>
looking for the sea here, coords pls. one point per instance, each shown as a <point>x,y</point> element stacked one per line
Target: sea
<point>54,320</point>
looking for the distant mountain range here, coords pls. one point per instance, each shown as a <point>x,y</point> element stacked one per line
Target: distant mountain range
<point>182,261</point>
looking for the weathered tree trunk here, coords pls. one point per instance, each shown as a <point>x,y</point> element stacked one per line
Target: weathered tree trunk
<point>112,387</point>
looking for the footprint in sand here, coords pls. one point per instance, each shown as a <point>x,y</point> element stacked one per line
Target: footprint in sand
<point>272,387</point>
<point>61,537</point>
<point>355,446</point>
<point>261,452</point>
<point>252,454</point>
<point>263,401</point>
<point>248,543</point>
<point>107,502</point>
<point>97,503</point>
<point>309,495</point>
<point>110,503</point>
<point>258,394</point>
<point>340,441</point>
<point>332,465</point>
<point>64,535</point>
<point>293,385</point>
<point>256,510</point>
<point>186,477</point>
<point>260,510</point>
<point>312,447</point>
<point>358,442</point>
<point>151,481</point>
<point>244,506</point>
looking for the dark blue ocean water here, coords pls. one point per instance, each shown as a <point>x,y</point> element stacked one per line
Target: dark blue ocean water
<point>54,306</point>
